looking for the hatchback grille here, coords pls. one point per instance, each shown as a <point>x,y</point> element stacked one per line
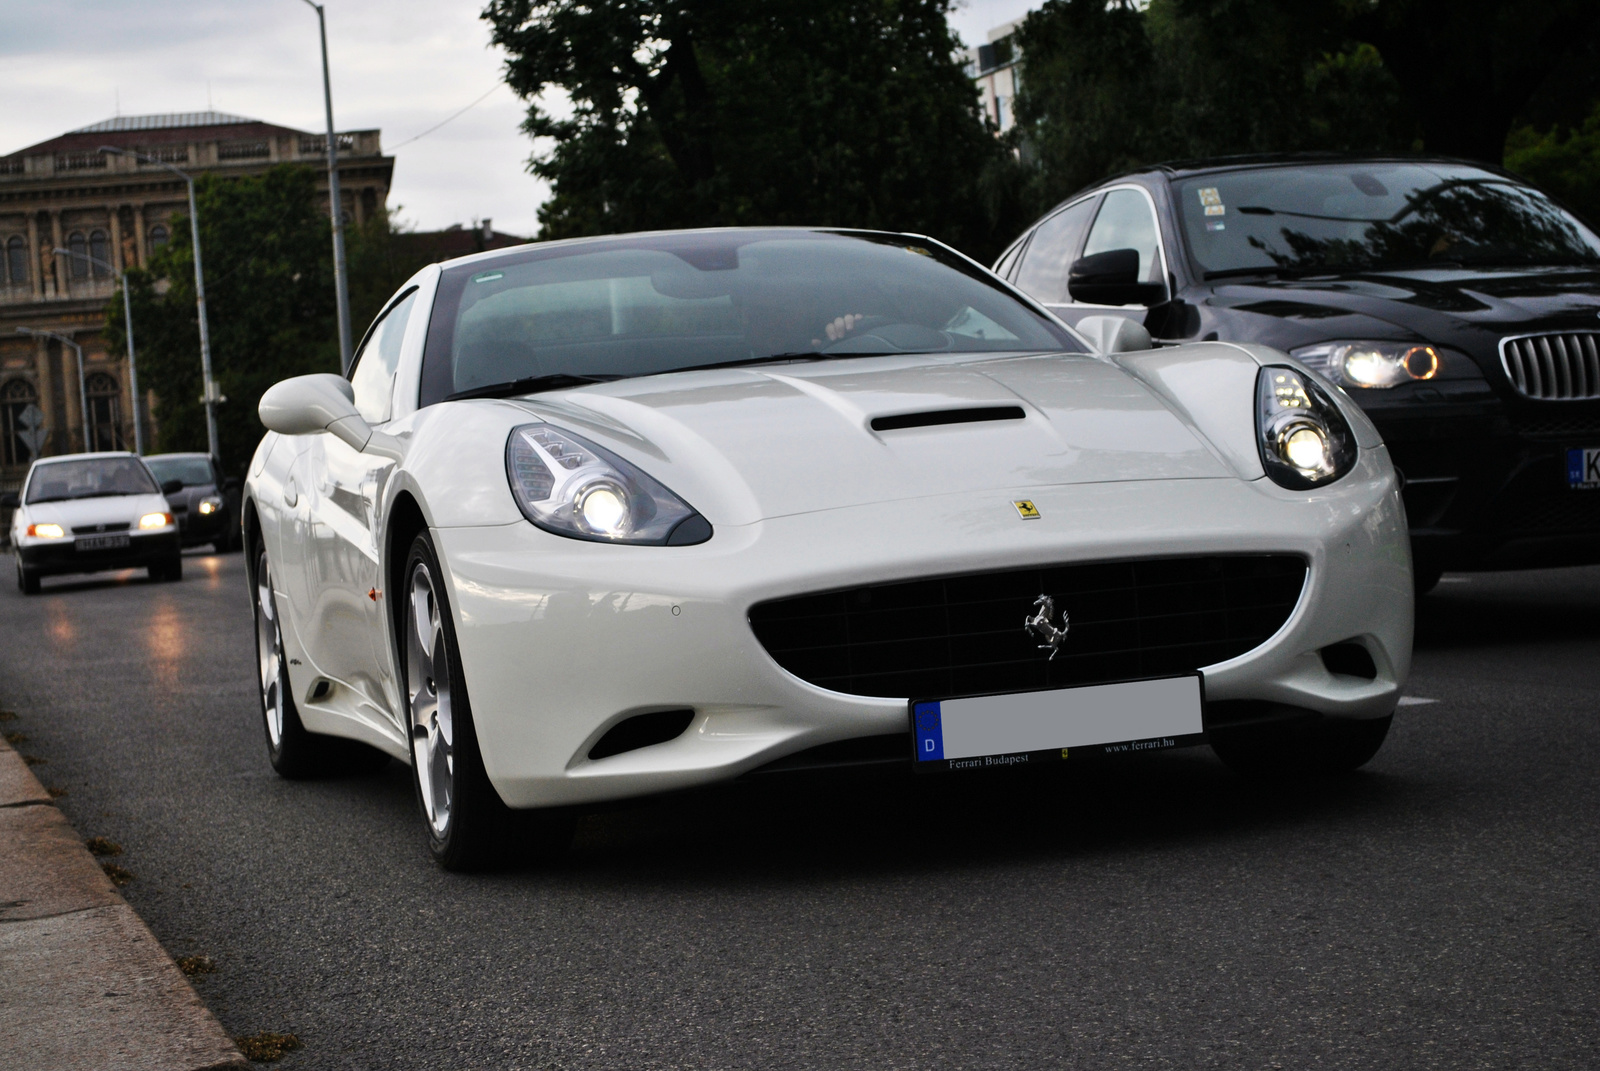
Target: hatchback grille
<point>964,635</point>
<point>96,529</point>
<point>1560,366</point>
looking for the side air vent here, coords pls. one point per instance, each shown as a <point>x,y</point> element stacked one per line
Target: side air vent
<point>641,730</point>
<point>947,416</point>
<point>1350,659</point>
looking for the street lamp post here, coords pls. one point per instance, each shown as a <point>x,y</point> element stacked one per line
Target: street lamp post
<point>212,395</point>
<point>127,319</point>
<point>341,279</point>
<point>83,392</point>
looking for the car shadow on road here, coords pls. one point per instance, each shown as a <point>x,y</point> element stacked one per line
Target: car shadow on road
<point>1487,609</point>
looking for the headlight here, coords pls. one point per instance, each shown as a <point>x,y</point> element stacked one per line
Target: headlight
<point>154,520</point>
<point>211,505</point>
<point>1304,439</point>
<point>567,485</point>
<point>47,531</point>
<point>1379,365</point>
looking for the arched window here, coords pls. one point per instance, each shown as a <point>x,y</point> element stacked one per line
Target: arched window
<point>17,258</point>
<point>77,267</point>
<point>16,396</point>
<point>105,412</point>
<point>100,250</point>
<point>158,237</point>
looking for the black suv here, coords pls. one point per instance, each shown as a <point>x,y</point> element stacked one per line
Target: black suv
<point>208,507</point>
<point>1459,306</point>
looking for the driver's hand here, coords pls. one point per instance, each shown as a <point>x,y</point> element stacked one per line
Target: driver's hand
<point>842,326</point>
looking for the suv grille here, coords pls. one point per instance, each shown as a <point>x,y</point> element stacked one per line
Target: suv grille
<point>1561,366</point>
<point>964,635</point>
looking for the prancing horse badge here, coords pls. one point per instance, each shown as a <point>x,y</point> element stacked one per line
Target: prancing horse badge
<point>1044,608</point>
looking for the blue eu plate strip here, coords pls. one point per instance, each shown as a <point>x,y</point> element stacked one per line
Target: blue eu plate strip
<point>930,734</point>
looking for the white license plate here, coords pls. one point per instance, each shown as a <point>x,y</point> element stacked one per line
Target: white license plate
<point>1028,727</point>
<point>102,542</point>
<point>1583,469</point>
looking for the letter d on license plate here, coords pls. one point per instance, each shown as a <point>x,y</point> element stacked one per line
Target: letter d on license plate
<point>1027,727</point>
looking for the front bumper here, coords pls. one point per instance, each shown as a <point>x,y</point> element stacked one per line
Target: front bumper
<point>57,556</point>
<point>562,640</point>
<point>195,528</point>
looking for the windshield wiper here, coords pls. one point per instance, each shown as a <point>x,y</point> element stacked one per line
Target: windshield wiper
<point>529,385</point>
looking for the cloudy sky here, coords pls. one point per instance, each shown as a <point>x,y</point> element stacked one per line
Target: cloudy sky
<point>402,66</point>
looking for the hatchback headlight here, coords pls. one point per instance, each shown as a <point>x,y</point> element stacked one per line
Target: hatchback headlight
<point>1304,439</point>
<point>211,504</point>
<point>1380,365</point>
<point>47,531</point>
<point>567,485</point>
<point>154,520</point>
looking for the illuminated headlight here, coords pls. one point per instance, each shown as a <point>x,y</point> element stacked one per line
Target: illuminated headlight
<point>154,520</point>
<point>211,505</point>
<point>1304,439</point>
<point>47,531</point>
<point>567,485</point>
<point>1379,365</point>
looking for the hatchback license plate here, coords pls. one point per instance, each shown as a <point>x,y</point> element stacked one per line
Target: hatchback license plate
<point>1028,727</point>
<point>102,542</point>
<point>1583,468</point>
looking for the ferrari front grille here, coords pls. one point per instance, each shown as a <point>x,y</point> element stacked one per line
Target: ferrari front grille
<point>965,635</point>
<point>1562,366</point>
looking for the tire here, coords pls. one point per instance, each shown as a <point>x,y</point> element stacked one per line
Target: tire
<point>1329,746</point>
<point>294,752</point>
<point>174,569</point>
<point>27,580</point>
<point>1425,576</point>
<point>468,826</point>
<point>222,546</point>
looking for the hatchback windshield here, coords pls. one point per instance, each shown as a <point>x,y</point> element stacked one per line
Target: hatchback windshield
<point>1374,217</point>
<point>90,478</point>
<point>189,471</point>
<point>647,304</point>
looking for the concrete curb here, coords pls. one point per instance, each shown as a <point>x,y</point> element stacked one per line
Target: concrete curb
<point>87,986</point>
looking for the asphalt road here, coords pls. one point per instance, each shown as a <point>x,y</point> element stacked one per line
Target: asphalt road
<point>1441,909</point>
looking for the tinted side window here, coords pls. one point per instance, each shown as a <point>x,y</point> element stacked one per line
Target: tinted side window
<point>373,378</point>
<point>1043,274</point>
<point>1126,222</point>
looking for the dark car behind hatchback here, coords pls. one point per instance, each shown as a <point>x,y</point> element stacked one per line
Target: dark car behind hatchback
<point>1457,305</point>
<point>207,509</point>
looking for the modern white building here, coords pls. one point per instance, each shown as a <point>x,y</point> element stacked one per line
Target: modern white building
<point>997,70</point>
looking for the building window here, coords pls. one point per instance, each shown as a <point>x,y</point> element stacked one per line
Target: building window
<point>105,412</point>
<point>77,267</point>
<point>17,261</point>
<point>100,250</point>
<point>158,237</point>
<point>15,398</point>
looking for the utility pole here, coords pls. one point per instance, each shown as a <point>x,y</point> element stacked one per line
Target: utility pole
<point>341,277</point>
<point>83,392</point>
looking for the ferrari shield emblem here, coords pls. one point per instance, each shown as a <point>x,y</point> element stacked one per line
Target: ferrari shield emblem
<point>1026,509</point>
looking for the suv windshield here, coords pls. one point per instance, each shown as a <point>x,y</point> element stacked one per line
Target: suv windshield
<point>645,304</point>
<point>189,471</point>
<point>1374,217</point>
<point>90,478</point>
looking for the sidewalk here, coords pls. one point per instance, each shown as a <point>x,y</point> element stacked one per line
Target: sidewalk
<point>86,985</point>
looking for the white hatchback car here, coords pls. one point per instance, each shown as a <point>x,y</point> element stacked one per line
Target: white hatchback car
<point>87,513</point>
<point>672,508</point>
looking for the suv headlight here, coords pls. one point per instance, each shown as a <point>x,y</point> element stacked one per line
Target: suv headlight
<point>1304,439</point>
<point>1379,365</point>
<point>567,485</point>
<point>212,504</point>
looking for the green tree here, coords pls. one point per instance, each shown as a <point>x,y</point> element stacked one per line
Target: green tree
<point>1565,161</point>
<point>730,112</point>
<point>270,307</point>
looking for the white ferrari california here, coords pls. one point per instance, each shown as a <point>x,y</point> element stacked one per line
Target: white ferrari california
<point>613,516</point>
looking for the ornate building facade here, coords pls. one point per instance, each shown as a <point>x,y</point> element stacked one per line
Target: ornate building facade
<point>65,194</point>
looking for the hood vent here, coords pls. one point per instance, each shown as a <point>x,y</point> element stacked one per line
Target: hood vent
<point>947,416</point>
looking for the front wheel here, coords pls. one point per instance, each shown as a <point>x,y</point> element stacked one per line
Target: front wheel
<point>27,580</point>
<point>469,826</point>
<point>1329,746</point>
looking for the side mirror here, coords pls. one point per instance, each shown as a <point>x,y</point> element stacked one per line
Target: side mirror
<point>1114,334</point>
<point>323,401</point>
<point>171,487</point>
<point>10,500</point>
<point>1112,278</point>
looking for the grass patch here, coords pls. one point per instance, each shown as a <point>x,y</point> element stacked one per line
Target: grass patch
<point>16,738</point>
<point>56,793</point>
<point>267,1047</point>
<point>8,715</point>
<point>103,846</point>
<point>193,965</point>
<point>34,760</point>
<point>119,877</point>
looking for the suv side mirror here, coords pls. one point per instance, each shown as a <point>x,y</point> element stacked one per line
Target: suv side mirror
<point>1112,278</point>
<point>322,401</point>
<point>10,500</point>
<point>171,487</point>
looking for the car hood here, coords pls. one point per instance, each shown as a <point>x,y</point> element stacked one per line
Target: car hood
<point>1447,306</point>
<point>85,512</point>
<point>786,439</point>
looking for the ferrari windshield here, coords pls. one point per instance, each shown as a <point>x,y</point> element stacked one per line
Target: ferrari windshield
<point>647,304</point>
<point>1374,217</point>
<point>94,477</point>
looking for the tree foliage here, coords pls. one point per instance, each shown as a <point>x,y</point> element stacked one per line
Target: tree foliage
<point>270,307</point>
<point>732,112</point>
<point>1563,160</point>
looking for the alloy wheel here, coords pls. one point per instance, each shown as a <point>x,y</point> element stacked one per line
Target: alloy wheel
<point>428,689</point>
<point>269,655</point>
